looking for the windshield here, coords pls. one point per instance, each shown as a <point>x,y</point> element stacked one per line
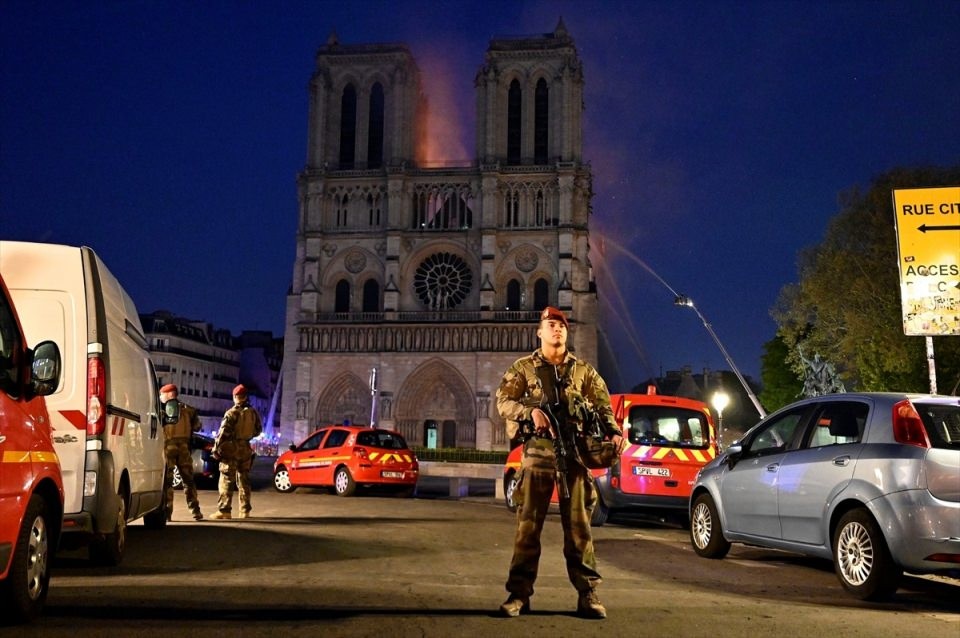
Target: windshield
<point>942,423</point>
<point>667,427</point>
<point>381,439</point>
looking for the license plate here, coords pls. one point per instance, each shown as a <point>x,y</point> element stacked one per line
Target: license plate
<point>651,471</point>
<point>393,475</point>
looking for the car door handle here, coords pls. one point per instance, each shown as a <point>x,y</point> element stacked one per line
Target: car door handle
<point>842,460</point>
<point>773,467</point>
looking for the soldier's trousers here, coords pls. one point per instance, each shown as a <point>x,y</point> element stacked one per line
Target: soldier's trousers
<point>533,495</point>
<point>235,477</point>
<point>177,453</point>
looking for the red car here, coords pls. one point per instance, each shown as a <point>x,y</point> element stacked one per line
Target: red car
<point>345,457</point>
<point>669,440</point>
<point>31,487</point>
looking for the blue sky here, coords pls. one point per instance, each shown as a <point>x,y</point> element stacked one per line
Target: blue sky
<point>168,136</point>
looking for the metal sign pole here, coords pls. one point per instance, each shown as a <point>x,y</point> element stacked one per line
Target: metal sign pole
<point>931,366</point>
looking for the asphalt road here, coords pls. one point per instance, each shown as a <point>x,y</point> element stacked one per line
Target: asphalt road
<point>311,563</point>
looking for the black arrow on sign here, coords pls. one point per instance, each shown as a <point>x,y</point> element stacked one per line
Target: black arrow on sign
<point>924,228</point>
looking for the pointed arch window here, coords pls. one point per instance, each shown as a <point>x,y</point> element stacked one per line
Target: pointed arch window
<point>371,296</point>
<point>343,203</point>
<point>514,121</point>
<point>511,204</point>
<point>513,295</point>
<point>375,128</point>
<point>342,296</point>
<point>348,126</point>
<point>541,294</point>
<point>541,122</point>
<point>540,208</point>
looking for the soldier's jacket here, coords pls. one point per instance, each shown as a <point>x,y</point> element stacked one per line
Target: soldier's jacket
<point>521,391</point>
<point>188,423</point>
<point>240,424</point>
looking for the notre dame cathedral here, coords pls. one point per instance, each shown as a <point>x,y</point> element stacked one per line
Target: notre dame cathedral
<point>430,278</point>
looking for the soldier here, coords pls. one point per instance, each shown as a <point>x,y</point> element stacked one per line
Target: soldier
<point>544,378</point>
<point>177,452</point>
<point>232,448</point>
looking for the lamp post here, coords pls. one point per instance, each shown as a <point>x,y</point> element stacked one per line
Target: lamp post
<point>720,400</point>
<point>683,300</point>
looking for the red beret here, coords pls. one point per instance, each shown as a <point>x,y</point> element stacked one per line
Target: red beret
<point>240,389</point>
<point>554,313</point>
<point>170,387</point>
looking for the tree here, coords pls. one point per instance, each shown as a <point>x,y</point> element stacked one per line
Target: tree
<point>846,305</point>
<point>780,382</point>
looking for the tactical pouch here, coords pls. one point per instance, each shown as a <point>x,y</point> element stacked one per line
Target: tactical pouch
<point>596,453</point>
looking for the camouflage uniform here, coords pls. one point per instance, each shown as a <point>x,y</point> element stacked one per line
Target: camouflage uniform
<point>520,392</point>
<point>240,424</point>
<point>177,452</point>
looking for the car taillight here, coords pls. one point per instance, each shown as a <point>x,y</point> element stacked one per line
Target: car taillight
<point>96,396</point>
<point>360,452</point>
<point>907,426</point>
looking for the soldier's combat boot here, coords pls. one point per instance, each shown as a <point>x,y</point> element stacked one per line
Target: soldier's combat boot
<point>197,516</point>
<point>514,606</point>
<point>244,514</point>
<point>220,516</point>
<point>589,606</point>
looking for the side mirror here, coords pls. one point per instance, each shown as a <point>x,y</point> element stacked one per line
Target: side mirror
<point>293,447</point>
<point>45,368</point>
<point>733,454</point>
<point>171,412</point>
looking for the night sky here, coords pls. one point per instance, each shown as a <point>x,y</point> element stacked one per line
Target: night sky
<point>168,136</point>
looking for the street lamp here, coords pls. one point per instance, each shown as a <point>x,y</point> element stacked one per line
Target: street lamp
<point>720,400</point>
<point>683,300</point>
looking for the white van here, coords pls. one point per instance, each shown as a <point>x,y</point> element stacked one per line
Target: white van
<point>105,415</point>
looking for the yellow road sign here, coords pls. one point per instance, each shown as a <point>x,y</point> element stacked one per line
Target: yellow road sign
<point>928,252</point>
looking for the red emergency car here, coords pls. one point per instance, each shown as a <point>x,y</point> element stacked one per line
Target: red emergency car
<point>31,487</point>
<point>347,456</point>
<point>669,440</point>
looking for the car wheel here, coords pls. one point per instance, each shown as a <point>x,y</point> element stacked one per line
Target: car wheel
<point>706,535</point>
<point>601,513</point>
<point>24,591</point>
<point>510,491</point>
<point>109,549</point>
<point>281,480</point>
<point>343,483</point>
<point>861,557</point>
<point>177,479</point>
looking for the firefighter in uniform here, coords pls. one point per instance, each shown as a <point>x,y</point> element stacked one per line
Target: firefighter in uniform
<point>177,452</point>
<point>539,379</point>
<point>232,447</point>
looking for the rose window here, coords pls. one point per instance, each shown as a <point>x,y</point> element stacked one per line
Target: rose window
<point>442,281</point>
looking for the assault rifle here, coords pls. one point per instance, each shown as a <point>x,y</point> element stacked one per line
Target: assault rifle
<point>560,450</point>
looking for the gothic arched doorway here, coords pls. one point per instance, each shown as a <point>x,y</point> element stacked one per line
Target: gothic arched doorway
<point>436,394</point>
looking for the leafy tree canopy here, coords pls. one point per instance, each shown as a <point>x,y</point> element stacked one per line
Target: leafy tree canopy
<point>846,305</point>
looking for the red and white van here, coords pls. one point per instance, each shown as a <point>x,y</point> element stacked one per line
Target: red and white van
<point>31,487</point>
<point>669,440</point>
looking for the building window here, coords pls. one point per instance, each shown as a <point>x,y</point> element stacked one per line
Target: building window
<point>375,128</point>
<point>371,296</point>
<point>511,204</point>
<point>540,208</point>
<point>342,203</point>
<point>348,126</point>
<point>513,295</point>
<point>442,281</point>
<point>373,204</point>
<point>541,294</point>
<point>514,121</point>
<point>541,122</point>
<point>342,303</point>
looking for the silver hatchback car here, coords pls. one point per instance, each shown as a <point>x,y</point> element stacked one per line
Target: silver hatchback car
<point>869,480</point>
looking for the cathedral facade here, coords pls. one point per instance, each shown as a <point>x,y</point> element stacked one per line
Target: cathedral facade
<point>415,286</point>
